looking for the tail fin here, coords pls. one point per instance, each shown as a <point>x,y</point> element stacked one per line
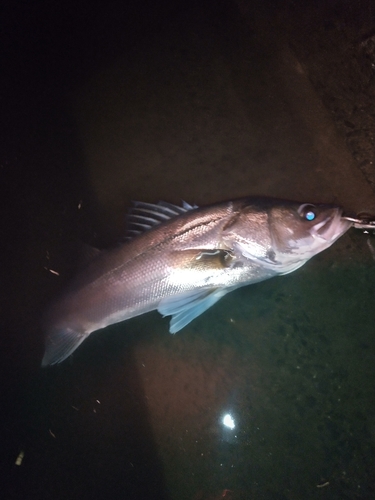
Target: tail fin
<point>61,343</point>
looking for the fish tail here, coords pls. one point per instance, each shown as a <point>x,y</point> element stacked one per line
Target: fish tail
<point>61,343</point>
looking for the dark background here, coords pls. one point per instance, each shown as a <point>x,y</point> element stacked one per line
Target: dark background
<point>140,440</point>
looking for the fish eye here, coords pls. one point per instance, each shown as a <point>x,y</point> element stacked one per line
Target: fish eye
<point>307,212</point>
<point>310,215</point>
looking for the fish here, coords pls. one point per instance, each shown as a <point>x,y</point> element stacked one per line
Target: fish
<point>180,260</point>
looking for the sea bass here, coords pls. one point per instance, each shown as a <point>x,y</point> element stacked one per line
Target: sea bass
<point>182,260</point>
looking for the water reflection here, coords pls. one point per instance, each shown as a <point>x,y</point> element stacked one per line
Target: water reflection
<point>228,421</point>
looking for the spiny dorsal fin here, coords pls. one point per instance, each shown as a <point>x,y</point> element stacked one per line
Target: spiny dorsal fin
<point>143,216</point>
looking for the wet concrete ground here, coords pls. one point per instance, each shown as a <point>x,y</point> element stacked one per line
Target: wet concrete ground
<point>198,102</point>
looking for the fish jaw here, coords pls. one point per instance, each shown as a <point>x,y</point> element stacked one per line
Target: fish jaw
<point>332,228</point>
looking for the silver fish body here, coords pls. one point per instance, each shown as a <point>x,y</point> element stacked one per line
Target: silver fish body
<point>184,259</point>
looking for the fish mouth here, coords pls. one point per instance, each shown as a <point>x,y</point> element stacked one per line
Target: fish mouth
<point>332,226</point>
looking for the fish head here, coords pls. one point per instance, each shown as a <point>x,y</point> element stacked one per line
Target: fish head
<point>305,229</point>
<point>282,235</point>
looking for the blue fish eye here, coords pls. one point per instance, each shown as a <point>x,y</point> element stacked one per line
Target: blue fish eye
<point>307,211</point>
<point>310,215</point>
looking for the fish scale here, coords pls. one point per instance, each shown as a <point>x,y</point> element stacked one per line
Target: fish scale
<point>183,259</point>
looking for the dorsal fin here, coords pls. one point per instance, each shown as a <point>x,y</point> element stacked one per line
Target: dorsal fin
<point>143,216</point>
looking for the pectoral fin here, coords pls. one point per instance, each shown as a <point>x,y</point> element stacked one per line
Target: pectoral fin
<point>186,307</point>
